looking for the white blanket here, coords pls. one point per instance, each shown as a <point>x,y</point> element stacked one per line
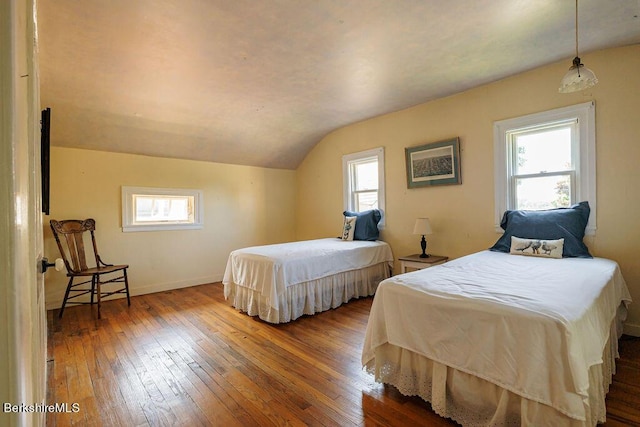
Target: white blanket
<point>533,326</point>
<point>270,269</point>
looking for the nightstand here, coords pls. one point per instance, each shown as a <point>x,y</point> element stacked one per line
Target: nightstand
<point>417,263</point>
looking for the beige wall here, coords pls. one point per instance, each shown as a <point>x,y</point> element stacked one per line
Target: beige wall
<point>462,215</point>
<point>243,206</point>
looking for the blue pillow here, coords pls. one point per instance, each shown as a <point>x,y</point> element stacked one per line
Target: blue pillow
<point>562,223</point>
<point>366,224</point>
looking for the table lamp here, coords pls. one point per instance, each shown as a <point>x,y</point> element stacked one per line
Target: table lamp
<point>423,227</point>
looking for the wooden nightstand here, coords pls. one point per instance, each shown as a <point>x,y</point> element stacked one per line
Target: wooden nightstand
<point>414,261</point>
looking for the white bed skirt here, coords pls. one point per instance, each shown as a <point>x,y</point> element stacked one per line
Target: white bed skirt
<point>473,401</point>
<point>309,297</point>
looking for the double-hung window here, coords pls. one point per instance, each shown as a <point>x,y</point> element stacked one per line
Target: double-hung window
<point>543,167</point>
<point>546,160</point>
<point>363,178</point>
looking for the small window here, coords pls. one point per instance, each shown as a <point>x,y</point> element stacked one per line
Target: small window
<point>545,161</point>
<point>363,177</point>
<point>152,209</point>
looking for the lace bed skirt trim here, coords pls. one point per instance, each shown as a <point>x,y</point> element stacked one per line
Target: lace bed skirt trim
<point>472,401</point>
<point>309,297</point>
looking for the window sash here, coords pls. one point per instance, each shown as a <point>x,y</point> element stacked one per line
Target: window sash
<point>358,184</point>
<point>176,217</point>
<point>519,201</point>
<point>359,192</point>
<point>543,128</point>
<point>362,200</point>
<point>163,209</point>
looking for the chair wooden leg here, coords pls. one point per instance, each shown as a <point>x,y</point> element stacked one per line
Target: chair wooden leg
<point>93,288</point>
<point>98,294</point>
<point>126,286</point>
<point>66,296</point>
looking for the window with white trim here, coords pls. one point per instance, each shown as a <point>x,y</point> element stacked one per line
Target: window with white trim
<point>546,160</point>
<point>363,179</point>
<point>153,209</point>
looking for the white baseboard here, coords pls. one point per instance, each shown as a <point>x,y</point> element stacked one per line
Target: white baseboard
<point>631,329</point>
<point>160,287</point>
<point>55,300</point>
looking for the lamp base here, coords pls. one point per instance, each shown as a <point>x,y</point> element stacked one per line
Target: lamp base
<point>423,245</point>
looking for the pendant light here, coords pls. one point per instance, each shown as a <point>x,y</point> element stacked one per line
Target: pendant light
<point>578,77</point>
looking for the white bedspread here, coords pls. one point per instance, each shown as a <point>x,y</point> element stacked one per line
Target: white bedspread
<point>533,326</point>
<point>270,269</point>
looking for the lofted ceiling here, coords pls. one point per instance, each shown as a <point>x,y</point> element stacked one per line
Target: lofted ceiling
<point>260,82</point>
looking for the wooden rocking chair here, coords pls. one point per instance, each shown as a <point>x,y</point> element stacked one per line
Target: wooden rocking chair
<point>70,237</point>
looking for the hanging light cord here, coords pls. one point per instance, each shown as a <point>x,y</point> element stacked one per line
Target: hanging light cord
<point>576,60</point>
<point>576,27</point>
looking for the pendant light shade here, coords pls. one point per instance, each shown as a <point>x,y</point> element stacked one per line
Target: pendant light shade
<point>578,77</point>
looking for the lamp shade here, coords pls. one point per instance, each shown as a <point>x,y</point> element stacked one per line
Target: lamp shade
<point>577,78</point>
<point>422,226</point>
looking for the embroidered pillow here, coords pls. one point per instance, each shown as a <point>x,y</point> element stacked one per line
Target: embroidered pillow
<point>537,247</point>
<point>349,227</point>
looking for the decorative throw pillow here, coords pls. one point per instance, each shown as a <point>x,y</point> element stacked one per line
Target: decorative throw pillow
<point>553,224</point>
<point>349,227</point>
<point>367,225</point>
<point>537,247</point>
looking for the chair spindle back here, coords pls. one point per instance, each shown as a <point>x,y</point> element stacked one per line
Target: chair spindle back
<point>72,233</point>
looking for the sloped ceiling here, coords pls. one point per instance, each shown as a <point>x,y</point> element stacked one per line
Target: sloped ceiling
<point>260,82</point>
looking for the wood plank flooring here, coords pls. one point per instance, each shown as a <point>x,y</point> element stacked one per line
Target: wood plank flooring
<point>185,358</point>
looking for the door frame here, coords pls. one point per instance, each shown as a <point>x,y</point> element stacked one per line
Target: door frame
<point>22,309</point>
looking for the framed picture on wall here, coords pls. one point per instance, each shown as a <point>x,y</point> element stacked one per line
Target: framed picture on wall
<point>437,163</point>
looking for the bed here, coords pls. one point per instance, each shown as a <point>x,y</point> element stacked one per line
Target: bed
<point>281,282</point>
<point>497,338</point>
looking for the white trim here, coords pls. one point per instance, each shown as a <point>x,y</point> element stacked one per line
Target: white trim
<point>347,159</point>
<point>128,217</point>
<point>586,168</point>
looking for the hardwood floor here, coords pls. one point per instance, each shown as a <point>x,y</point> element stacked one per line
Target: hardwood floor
<point>186,358</point>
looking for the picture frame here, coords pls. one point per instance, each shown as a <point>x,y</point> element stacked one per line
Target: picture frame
<point>436,163</point>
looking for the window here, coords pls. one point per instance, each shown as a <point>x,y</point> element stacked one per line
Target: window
<point>363,176</point>
<point>152,209</point>
<point>542,166</point>
<point>545,161</point>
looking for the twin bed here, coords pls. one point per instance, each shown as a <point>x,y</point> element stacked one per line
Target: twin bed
<point>492,338</point>
<point>500,339</point>
<point>279,283</point>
